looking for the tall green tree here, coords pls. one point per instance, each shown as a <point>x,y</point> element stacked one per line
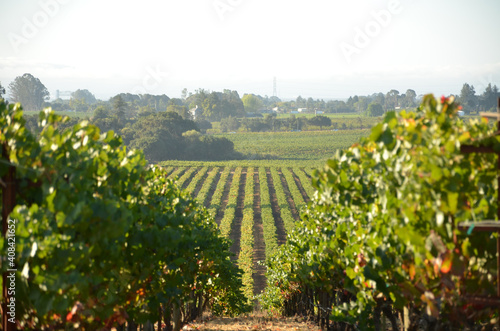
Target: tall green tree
<point>410,99</point>
<point>300,102</point>
<point>488,99</point>
<point>362,104</point>
<point>375,109</point>
<point>29,91</point>
<point>232,104</point>
<point>210,105</point>
<point>379,98</point>
<point>84,95</point>
<point>2,90</point>
<point>320,121</point>
<point>391,99</point>
<point>468,98</point>
<point>181,110</point>
<point>229,124</point>
<point>120,107</point>
<point>184,93</point>
<point>251,102</point>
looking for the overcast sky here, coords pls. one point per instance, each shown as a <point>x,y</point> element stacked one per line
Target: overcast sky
<point>319,48</point>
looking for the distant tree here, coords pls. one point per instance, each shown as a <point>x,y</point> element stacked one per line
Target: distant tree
<point>146,110</point>
<point>252,103</point>
<point>300,102</point>
<point>29,91</point>
<point>84,95</point>
<point>274,100</point>
<point>292,122</point>
<point>57,105</point>
<point>271,121</point>
<point>320,105</point>
<point>192,134</point>
<point>160,135</point>
<point>2,91</point>
<point>100,112</point>
<point>184,93</point>
<point>378,98</point>
<point>255,125</point>
<point>468,98</point>
<point>320,121</point>
<point>175,102</point>
<point>391,99</point>
<point>211,148</point>
<point>156,102</point>
<point>131,98</point>
<point>488,99</point>
<point>210,107</point>
<point>310,104</point>
<point>217,105</point>
<point>119,107</point>
<point>362,104</point>
<point>229,124</point>
<point>410,98</point>
<point>231,104</point>
<point>197,98</point>
<point>79,105</point>
<point>203,125</point>
<point>181,110</point>
<point>167,136</point>
<point>375,109</point>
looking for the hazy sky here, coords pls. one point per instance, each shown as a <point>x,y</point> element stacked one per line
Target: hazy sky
<point>318,48</point>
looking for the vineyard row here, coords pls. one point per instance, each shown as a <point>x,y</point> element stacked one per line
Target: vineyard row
<point>254,207</point>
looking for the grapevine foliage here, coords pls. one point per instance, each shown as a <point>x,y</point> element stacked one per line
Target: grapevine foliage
<point>382,232</point>
<point>101,237</point>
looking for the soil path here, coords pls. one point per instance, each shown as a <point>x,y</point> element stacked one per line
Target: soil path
<point>300,187</point>
<point>259,247</point>
<point>288,196</point>
<point>278,221</point>
<point>235,234</point>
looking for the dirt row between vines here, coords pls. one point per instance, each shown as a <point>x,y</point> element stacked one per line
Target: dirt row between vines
<point>278,221</point>
<point>235,234</point>
<point>300,187</point>
<point>288,196</point>
<point>259,248</point>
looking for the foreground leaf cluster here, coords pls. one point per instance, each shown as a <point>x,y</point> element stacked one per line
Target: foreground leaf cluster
<point>381,232</point>
<point>101,238</point>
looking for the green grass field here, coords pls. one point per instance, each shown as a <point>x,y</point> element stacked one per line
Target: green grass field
<point>297,146</point>
<point>309,149</point>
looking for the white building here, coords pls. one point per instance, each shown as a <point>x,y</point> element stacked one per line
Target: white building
<point>195,112</point>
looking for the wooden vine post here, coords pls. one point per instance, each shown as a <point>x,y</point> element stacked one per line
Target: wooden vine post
<point>486,225</point>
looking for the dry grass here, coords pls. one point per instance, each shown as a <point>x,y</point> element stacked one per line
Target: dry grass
<point>256,321</point>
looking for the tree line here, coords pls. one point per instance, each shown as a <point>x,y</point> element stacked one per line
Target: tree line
<point>213,106</point>
<point>173,128</point>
